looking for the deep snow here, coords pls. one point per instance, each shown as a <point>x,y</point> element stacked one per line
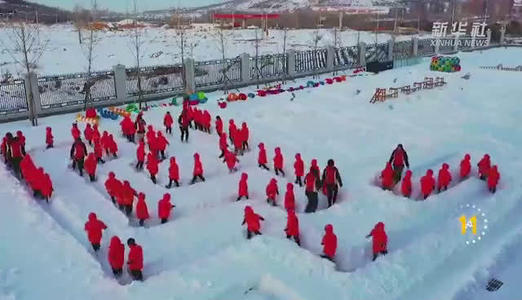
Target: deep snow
<point>202,252</point>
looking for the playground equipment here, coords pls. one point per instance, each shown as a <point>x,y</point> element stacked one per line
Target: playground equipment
<point>446,64</point>
<point>382,95</point>
<point>107,114</point>
<point>119,111</point>
<point>84,119</point>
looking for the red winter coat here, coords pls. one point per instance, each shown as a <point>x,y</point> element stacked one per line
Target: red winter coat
<point>292,224</point>
<point>127,126</point>
<point>135,260</point>
<point>142,212</point>
<point>152,164</point>
<point>49,138</point>
<point>21,137</point>
<point>244,133</point>
<point>329,241</point>
<point>278,159</point>
<point>16,148</point>
<point>315,167</point>
<point>113,147</point>
<point>310,182</point>
<point>198,167</point>
<point>223,144</point>
<point>94,229</point>
<point>406,184</point>
<point>106,141</point>
<point>261,158</point>
<point>379,238</point>
<point>298,166</point>
<point>272,189</point>
<point>484,165</point>
<point>91,164</point>
<point>168,121</point>
<point>243,185</point>
<point>252,220</point>
<point>95,133</point>
<point>140,152</point>
<point>232,130</point>
<point>207,119</point>
<point>75,132</point>
<point>444,178</point>
<point>116,253</point>
<point>98,149</point>
<point>127,194</point>
<point>47,186</point>
<point>493,178</point>
<point>219,126</point>
<point>289,197</point>
<point>161,142</point>
<point>173,169</point>
<point>165,207</point>
<point>465,166</point>
<point>113,185</point>
<point>427,183</point>
<point>88,132</point>
<point>230,159</point>
<point>387,177</point>
<point>78,150</point>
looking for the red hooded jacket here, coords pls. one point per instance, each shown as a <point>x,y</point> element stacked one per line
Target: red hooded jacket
<point>87,132</point>
<point>140,152</point>
<point>173,169</point>
<point>230,159</point>
<point>272,190</point>
<point>243,185</point>
<point>113,147</point>
<point>427,183</point>
<point>49,138</point>
<point>444,176</point>
<point>379,238</point>
<point>219,126</point>
<point>152,164</point>
<point>310,181</point>
<point>91,164</point>
<point>278,159</point>
<point>252,220</point>
<point>261,158</point>
<point>94,229</point>
<point>127,193</point>
<point>98,149</point>
<point>406,184</point>
<point>329,241</point>
<point>289,197</point>
<point>161,142</point>
<point>465,166</point>
<point>165,207</point>
<point>232,130</point>
<point>113,185</point>
<point>387,177</point>
<point>292,224</point>
<point>142,212</point>
<point>299,165</point>
<point>75,132</point>
<point>493,178</point>
<point>244,133</point>
<point>198,167</point>
<point>47,186</point>
<point>135,260</point>
<point>223,144</point>
<point>167,120</point>
<point>484,165</point>
<point>116,253</point>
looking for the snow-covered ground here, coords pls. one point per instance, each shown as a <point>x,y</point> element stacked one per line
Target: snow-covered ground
<point>161,46</point>
<point>202,253</point>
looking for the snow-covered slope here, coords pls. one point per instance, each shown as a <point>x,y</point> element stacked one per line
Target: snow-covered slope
<point>202,252</point>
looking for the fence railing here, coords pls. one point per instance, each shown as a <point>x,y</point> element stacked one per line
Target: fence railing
<point>55,94</point>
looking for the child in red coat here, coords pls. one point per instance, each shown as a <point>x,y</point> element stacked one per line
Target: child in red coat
<point>231,160</point>
<point>261,158</point>
<point>87,132</point>
<point>292,227</point>
<point>232,130</point>
<point>142,212</point>
<point>116,256</point>
<point>253,222</point>
<point>161,143</point>
<point>113,147</point>
<point>75,132</point>
<point>198,169</point>
<point>152,166</point>
<point>271,191</point>
<point>465,166</point>
<point>90,166</point>
<point>98,151</point>
<point>164,208</point>
<point>278,162</point>
<point>427,184</point>
<point>113,187</point>
<point>219,125</point>
<point>243,187</point>
<point>173,173</point>
<point>47,187</point>
<point>387,177</point>
<point>493,178</point>
<point>289,197</point>
<point>406,184</point>
<point>223,145</point>
<point>444,177</point>
<point>140,155</point>
<point>135,260</point>
<point>49,138</point>
<point>329,243</point>
<point>94,228</point>
<point>379,239</point>
<point>245,136</point>
<point>484,165</point>
<point>168,121</point>
<point>299,169</point>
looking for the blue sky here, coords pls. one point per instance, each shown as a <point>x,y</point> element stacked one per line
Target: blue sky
<point>123,5</point>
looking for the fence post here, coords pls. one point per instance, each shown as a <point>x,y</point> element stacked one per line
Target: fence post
<point>31,81</point>
<point>190,82</point>
<point>391,44</point>
<point>245,68</point>
<point>290,64</point>
<point>456,45</point>
<point>488,34</point>
<point>502,34</point>
<point>437,46</point>
<point>415,41</point>
<point>120,80</point>
<point>330,54</point>
<point>362,54</point>
<point>473,41</point>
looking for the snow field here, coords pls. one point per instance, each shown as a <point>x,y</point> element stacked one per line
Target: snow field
<point>202,253</point>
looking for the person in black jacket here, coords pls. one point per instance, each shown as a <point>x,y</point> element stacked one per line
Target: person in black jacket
<point>332,179</point>
<point>398,159</point>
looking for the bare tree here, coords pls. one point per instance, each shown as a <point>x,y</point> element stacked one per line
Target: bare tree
<point>137,43</point>
<point>89,49</point>
<point>80,19</point>
<point>24,45</point>
<point>316,39</point>
<point>222,46</point>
